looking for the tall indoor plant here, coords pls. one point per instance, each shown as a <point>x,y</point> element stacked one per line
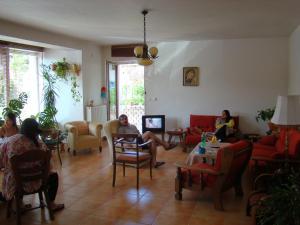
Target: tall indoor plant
<point>47,117</point>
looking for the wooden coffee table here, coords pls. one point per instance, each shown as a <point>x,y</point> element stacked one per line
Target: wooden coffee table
<point>175,133</point>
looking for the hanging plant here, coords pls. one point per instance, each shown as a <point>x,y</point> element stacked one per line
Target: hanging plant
<point>63,70</point>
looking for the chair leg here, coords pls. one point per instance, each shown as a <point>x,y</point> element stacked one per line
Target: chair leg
<point>100,149</point>
<point>178,185</point>
<point>123,169</point>
<point>8,209</point>
<point>68,149</point>
<point>42,204</point>
<point>74,152</point>
<point>239,190</point>
<point>18,209</point>
<point>151,168</point>
<point>137,176</point>
<point>58,153</point>
<point>114,174</point>
<point>48,205</point>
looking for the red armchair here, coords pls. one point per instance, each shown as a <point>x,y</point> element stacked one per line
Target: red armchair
<point>226,173</point>
<point>203,123</point>
<point>270,150</point>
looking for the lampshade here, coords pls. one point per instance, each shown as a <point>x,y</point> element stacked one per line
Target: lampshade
<point>287,111</point>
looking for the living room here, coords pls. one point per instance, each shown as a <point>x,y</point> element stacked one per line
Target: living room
<point>247,55</point>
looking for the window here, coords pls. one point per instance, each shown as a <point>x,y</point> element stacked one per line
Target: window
<point>19,72</point>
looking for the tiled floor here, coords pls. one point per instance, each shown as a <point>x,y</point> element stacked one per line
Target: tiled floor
<point>85,188</point>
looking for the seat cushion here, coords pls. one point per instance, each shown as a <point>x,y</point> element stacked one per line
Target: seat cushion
<point>268,140</point>
<point>131,157</point>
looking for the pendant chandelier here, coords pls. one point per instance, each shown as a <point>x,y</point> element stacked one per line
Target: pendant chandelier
<point>145,56</point>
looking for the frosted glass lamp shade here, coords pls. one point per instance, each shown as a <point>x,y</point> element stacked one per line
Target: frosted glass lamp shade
<point>145,62</point>
<point>138,51</point>
<point>153,52</point>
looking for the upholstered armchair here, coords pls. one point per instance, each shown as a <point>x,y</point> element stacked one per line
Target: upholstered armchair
<point>82,135</point>
<point>226,173</point>
<point>109,128</point>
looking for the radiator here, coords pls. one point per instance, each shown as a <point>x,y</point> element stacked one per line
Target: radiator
<point>96,113</point>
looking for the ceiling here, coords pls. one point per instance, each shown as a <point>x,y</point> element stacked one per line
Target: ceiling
<point>120,21</point>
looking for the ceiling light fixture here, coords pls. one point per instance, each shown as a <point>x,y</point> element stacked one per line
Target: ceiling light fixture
<point>145,56</point>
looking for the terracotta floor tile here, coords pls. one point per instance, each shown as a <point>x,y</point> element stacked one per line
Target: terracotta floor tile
<point>86,189</point>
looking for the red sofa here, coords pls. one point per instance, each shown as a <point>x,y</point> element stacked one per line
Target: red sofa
<point>204,123</point>
<point>271,147</point>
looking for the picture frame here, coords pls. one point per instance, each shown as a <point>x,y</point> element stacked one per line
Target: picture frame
<point>190,76</point>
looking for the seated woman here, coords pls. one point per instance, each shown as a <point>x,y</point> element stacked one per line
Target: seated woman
<point>224,126</point>
<point>10,127</point>
<point>27,140</point>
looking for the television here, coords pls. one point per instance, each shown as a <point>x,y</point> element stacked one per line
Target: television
<point>153,123</point>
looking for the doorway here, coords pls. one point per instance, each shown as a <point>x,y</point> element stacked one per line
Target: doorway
<point>126,92</point>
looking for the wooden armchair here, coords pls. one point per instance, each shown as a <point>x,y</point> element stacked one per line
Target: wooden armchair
<point>226,173</point>
<point>82,134</point>
<point>38,171</point>
<point>130,152</point>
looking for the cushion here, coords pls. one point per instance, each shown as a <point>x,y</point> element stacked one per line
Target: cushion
<point>131,156</point>
<point>268,140</point>
<point>192,139</point>
<point>83,128</point>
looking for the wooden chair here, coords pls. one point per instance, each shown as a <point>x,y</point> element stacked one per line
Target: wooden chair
<point>226,173</point>
<point>38,171</point>
<point>130,152</point>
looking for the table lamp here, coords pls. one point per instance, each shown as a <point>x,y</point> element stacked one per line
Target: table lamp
<point>286,115</point>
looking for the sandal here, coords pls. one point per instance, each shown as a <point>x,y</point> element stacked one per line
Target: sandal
<point>158,164</point>
<point>172,145</point>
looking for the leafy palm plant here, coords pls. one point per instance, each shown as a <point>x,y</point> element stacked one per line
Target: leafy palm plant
<point>15,106</point>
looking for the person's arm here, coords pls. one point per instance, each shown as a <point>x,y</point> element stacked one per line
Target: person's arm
<point>219,123</point>
<point>230,123</point>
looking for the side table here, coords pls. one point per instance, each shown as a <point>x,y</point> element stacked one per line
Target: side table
<point>177,133</point>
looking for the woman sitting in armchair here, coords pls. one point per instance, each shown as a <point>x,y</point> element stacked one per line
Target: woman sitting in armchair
<point>224,126</point>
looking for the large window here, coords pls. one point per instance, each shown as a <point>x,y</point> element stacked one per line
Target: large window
<point>19,72</point>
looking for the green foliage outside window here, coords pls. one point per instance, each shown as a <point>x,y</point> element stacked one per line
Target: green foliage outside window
<point>134,95</point>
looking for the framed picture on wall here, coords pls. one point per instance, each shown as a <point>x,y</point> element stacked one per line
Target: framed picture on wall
<point>190,76</point>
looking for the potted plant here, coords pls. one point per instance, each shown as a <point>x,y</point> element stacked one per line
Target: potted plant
<point>47,118</point>
<point>16,105</point>
<point>266,115</point>
<point>282,205</point>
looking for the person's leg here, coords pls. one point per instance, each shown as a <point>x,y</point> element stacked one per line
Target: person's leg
<point>149,135</point>
<point>153,150</point>
<point>52,190</point>
<point>221,133</point>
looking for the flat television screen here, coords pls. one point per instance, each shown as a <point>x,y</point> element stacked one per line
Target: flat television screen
<point>153,123</point>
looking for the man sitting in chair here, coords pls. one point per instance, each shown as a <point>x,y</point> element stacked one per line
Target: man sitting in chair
<point>127,128</point>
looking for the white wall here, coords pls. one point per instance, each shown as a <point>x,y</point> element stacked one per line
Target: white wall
<point>91,58</point>
<point>294,75</point>
<point>68,109</point>
<point>243,76</point>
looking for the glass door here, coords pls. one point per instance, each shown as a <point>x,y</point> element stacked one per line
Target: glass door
<point>112,71</point>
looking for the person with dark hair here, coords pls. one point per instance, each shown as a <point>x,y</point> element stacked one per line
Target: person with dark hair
<point>27,140</point>
<point>10,127</point>
<point>224,125</point>
<point>127,128</point>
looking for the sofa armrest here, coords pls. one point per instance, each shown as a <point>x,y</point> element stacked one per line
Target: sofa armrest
<point>200,170</point>
<point>72,129</point>
<point>95,129</point>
